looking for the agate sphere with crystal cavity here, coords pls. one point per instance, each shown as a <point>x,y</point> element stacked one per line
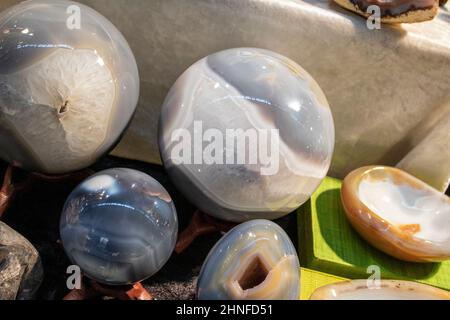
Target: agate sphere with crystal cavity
<point>254,261</point>
<point>69,86</point>
<point>398,213</point>
<point>387,290</point>
<point>119,226</point>
<point>246,133</point>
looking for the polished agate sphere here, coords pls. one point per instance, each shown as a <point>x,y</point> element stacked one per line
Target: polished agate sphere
<point>69,86</point>
<point>246,133</point>
<point>119,226</point>
<point>254,261</point>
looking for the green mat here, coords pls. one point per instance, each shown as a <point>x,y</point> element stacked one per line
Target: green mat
<point>311,280</point>
<point>329,244</point>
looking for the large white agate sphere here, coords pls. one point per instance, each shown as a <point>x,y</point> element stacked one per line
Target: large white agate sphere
<point>69,86</point>
<point>246,133</point>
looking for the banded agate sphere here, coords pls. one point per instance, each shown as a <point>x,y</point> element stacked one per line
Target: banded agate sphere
<point>254,261</point>
<point>246,133</point>
<point>69,86</point>
<point>119,226</point>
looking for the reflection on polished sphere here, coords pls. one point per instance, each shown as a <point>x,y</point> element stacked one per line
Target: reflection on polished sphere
<point>119,226</point>
<point>69,85</point>
<point>246,133</point>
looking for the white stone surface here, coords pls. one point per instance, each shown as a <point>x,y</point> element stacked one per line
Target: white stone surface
<point>388,89</point>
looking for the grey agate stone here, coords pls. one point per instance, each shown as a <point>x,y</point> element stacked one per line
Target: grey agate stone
<point>119,226</point>
<point>254,261</point>
<point>21,270</point>
<point>255,91</point>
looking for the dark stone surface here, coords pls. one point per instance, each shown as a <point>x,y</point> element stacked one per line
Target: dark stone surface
<point>35,214</point>
<point>20,267</point>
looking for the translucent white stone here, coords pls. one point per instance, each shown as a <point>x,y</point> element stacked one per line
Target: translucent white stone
<point>69,85</point>
<point>398,213</point>
<point>383,290</point>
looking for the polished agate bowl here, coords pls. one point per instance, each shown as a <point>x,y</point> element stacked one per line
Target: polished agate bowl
<point>398,213</point>
<point>384,290</point>
<point>246,133</point>
<point>254,261</point>
<point>119,226</point>
<point>69,86</point>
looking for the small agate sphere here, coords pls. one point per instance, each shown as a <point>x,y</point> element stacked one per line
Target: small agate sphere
<point>245,134</point>
<point>69,85</point>
<point>254,261</point>
<point>119,226</point>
